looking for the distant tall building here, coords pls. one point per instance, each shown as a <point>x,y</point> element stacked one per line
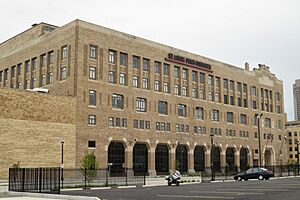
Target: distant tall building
<point>296,90</point>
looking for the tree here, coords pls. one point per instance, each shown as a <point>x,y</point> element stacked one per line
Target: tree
<point>88,167</point>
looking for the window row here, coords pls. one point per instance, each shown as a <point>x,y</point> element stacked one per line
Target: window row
<point>141,124</point>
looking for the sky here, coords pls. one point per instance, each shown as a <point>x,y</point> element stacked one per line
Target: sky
<point>230,31</point>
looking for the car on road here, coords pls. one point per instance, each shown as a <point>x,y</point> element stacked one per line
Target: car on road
<point>254,173</point>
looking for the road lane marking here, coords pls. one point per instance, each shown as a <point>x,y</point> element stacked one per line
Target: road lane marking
<point>256,189</point>
<point>190,197</point>
<point>236,193</point>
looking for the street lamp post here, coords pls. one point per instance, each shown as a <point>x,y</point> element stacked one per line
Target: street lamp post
<point>62,164</point>
<point>258,132</point>
<point>212,157</point>
<point>297,142</point>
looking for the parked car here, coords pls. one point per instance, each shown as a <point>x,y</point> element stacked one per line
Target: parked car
<point>254,173</point>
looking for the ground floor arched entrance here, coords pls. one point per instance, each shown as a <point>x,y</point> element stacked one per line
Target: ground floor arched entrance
<point>116,158</point>
<point>199,158</point>
<point>181,158</point>
<point>243,159</point>
<point>161,159</point>
<point>140,159</point>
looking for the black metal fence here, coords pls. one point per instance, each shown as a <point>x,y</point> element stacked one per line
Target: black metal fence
<point>42,180</point>
<point>84,178</point>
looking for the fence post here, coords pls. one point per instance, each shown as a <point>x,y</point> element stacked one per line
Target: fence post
<point>107,173</point>
<point>85,171</point>
<point>40,180</point>
<point>23,180</point>
<point>126,177</point>
<point>144,177</point>
<point>9,179</point>
<point>58,180</point>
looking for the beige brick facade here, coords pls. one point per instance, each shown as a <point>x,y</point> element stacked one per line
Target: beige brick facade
<point>32,127</point>
<point>293,129</point>
<point>88,57</point>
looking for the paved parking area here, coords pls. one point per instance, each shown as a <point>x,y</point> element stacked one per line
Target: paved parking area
<point>275,189</point>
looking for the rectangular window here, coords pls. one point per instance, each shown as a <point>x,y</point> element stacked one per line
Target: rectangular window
<point>148,125</point>
<point>225,84</point>
<point>181,110</point>
<point>168,127</point>
<point>124,122</point>
<point>231,85</point>
<point>225,99</point>
<point>245,88</point>
<point>253,91</point>
<point>50,77</point>
<point>63,73</point>
<point>33,82</point>
<point>136,62</point>
<point>123,59</point>
<point>230,117</point>
<point>201,94</point>
<point>239,101</point>
<point>217,81</point>
<point>91,144</point>
<point>184,74</point>
<point>111,77</point>
<point>141,104</point>
<point>166,69</point>
<point>122,79</point>
<point>243,119</point>
<point>176,89</point>
<point>166,88</point>
<point>217,97</point>
<point>135,123</point>
<point>157,127</point>
<point>145,83</point>
<point>162,107</point>
<point>157,67</point>
<point>51,57</point>
<point>176,71</point>
<point>111,121</point>
<point>118,101</point>
<point>215,115</point>
<point>118,122</point>
<point>194,76</point>
<point>194,93</point>
<point>177,127</point>
<point>267,123</point>
<point>112,56</point>
<point>202,78</point>
<point>210,96</point>
<point>254,105</point>
<point>239,87</point>
<point>135,81</point>
<point>162,126</point>
<point>43,79</point>
<point>27,84</point>
<point>13,71</point>
<point>184,91</point>
<point>64,52</point>
<point>92,120</point>
<point>156,85</point>
<point>146,64</point>
<point>245,103</point>
<point>92,98</point>
<point>142,124</point>
<point>279,124</point>
<point>92,73</point>
<point>255,118</point>
<point>232,100</point>
<point>210,80</point>
<point>199,113</point>
<point>27,66</point>
<point>43,60</point>
<point>19,69</point>
<point>93,52</point>
<point>33,64</point>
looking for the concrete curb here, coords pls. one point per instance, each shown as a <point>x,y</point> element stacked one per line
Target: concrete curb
<point>49,196</point>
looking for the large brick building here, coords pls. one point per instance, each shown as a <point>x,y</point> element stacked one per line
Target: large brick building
<point>140,104</point>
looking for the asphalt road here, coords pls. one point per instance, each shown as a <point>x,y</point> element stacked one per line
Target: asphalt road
<point>274,189</point>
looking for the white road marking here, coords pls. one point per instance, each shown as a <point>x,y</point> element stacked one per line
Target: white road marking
<point>190,197</point>
<point>257,189</point>
<point>237,193</point>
